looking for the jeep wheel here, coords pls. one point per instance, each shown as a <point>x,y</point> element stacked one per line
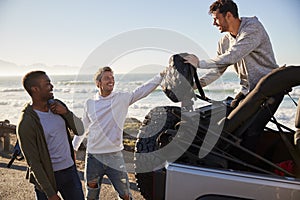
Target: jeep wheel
<point>149,162</point>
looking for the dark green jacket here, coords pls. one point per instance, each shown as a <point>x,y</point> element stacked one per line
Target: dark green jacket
<point>34,148</point>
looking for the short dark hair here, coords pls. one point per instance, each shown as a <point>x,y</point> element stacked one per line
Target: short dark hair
<point>30,79</point>
<point>100,72</point>
<point>224,6</point>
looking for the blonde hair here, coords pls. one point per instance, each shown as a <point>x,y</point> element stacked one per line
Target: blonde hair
<point>99,73</point>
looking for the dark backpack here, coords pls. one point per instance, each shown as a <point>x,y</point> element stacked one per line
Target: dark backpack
<point>179,80</point>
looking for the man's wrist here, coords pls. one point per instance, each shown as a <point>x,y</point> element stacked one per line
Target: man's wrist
<point>199,64</point>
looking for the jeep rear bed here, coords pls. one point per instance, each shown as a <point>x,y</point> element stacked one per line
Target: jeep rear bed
<point>190,182</point>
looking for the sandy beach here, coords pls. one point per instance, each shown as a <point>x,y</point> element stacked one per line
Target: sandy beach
<point>14,186</point>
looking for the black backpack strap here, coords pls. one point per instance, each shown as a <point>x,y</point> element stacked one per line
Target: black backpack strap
<point>200,89</point>
<point>17,152</point>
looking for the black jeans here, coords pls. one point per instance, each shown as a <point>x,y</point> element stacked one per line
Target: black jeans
<point>68,184</point>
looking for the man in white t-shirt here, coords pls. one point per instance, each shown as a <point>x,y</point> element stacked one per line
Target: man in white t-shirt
<point>104,117</point>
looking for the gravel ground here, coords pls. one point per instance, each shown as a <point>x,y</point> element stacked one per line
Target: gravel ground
<point>14,186</point>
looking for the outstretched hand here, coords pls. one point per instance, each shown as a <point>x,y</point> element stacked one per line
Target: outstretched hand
<point>163,73</point>
<point>192,59</point>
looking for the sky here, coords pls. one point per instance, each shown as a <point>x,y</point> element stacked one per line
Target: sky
<point>63,36</point>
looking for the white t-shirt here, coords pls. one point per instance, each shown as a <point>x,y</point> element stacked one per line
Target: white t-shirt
<point>104,118</point>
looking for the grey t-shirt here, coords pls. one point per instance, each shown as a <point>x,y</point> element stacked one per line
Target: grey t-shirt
<point>57,140</point>
<point>250,52</point>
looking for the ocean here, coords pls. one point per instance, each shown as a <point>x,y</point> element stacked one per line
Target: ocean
<point>74,90</point>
